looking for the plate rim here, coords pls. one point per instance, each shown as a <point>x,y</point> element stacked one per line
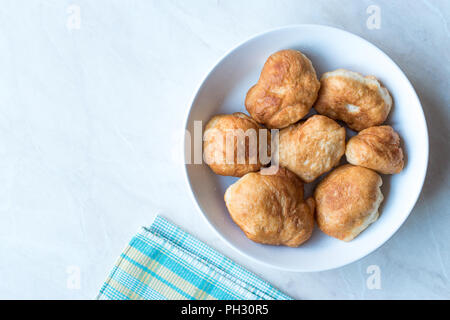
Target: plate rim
<point>203,80</point>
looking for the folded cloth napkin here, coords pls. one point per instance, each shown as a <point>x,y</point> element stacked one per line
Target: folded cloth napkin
<point>164,262</point>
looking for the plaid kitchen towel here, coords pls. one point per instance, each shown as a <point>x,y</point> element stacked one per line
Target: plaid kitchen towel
<point>164,262</point>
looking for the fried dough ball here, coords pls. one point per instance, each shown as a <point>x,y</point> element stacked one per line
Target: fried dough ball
<point>312,148</point>
<point>376,148</point>
<point>359,101</point>
<point>286,90</point>
<point>243,154</point>
<point>270,208</point>
<point>347,201</point>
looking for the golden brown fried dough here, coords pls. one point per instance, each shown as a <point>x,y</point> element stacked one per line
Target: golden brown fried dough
<point>359,101</point>
<point>312,148</point>
<point>286,90</point>
<point>347,201</point>
<point>376,148</point>
<point>270,208</point>
<point>243,155</point>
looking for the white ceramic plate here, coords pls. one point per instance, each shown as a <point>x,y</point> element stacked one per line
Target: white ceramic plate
<point>223,91</point>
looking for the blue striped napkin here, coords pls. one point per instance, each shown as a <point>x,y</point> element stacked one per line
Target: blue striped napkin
<point>164,262</point>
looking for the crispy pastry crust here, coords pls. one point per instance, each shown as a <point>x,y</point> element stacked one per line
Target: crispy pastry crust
<point>376,148</point>
<point>270,208</point>
<point>286,90</point>
<point>312,148</point>
<point>347,201</point>
<point>359,101</point>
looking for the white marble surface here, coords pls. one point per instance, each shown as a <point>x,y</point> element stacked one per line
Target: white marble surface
<point>90,121</point>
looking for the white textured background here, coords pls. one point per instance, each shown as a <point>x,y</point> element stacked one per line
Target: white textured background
<point>90,121</point>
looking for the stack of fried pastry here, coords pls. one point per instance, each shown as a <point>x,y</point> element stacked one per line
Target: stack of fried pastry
<point>269,205</point>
